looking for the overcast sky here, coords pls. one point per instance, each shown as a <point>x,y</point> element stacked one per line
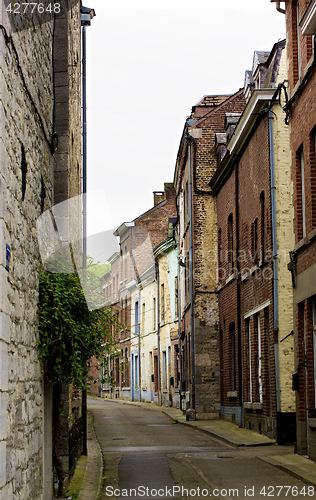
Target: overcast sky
<point>148,63</point>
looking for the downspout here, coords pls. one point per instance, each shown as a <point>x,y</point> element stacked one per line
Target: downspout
<point>278,8</point>
<point>239,327</point>
<point>132,376</point>
<point>275,265</point>
<point>158,330</point>
<point>132,357</point>
<point>179,330</point>
<point>84,208</point>
<point>139,324</point>
<point>188,139</point>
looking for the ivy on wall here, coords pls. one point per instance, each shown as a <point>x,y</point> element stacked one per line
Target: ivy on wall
<point>69,334</point>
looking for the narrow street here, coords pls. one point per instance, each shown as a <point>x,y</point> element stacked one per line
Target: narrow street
<point>144,451</point>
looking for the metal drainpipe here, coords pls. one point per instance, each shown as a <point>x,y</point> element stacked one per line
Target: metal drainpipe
<point>132,357</point>
<point>84,207</point>
<point>191,275</point>
<point>275,265</point>
<point>278,8</point>
<point>139,324</point>
<point>239,328</point>
<point>179,332</point>
<point>158,330</point>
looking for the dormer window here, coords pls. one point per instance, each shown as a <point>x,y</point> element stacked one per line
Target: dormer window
<point>259,69</point>
<point>220,147</point>
<point>249,85</point>
<point>231,120</point>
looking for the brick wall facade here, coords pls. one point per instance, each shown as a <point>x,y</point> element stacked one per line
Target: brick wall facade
<point>255,316</point>
<point>302,112</point>
<point>210,113</point>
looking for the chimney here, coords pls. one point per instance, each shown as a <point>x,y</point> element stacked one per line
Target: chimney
<point>159,196</point>
<point>169,190</point>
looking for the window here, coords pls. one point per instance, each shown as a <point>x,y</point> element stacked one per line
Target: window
<point>154,313</point>
<point>164,370</point>
<point>248,332</point>
<point>230,241</point>
<point>255,241</point>
<point>143,318</point>
<point>176,295</point>
<point>259,368</point>
<point>136,371</point>
<point>233,355</point>
<point>186,274</point>
<point>314,345</point>
<point>298,35</point>
<point>126,312</point>
<point>262,226</point>
<point>136,318</point>
<point>313,174</point>
<point>162,304</point>
<point>125,252</point>
<point>186,203</point>
<point>300,201</point>
<point>220,263</point>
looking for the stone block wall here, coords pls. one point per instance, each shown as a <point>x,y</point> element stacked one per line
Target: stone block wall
<point>27,123</point>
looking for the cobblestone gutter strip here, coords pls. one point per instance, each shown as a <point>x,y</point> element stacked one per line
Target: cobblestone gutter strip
<point>93,475</point>
<point>87,480</point>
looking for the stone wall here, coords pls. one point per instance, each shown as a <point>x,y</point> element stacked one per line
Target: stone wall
<point>27,110</point>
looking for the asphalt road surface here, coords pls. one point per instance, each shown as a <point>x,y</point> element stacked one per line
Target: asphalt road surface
<point>148,456</point>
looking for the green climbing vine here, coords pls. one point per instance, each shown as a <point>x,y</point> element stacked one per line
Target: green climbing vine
<point>69,334</point>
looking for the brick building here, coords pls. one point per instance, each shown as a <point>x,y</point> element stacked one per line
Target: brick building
<point>132,289</point>
<point>253,187</point>
<point>39,103</point>
<point>197,241</point>
<point>301,108</point>
<point>167,371</point>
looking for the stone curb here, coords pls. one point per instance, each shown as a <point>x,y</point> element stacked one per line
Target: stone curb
<point>294,470</point>
<point>215,434</point>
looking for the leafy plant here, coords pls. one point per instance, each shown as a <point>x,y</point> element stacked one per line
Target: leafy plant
<point>70,334</point>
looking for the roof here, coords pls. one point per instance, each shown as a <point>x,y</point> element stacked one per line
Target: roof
<point>211,100</point>
<point>255,106</point>
<point>259,57</point>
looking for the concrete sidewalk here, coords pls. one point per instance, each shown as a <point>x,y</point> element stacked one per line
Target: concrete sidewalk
<point>300,467</point>
<point>220,429</point>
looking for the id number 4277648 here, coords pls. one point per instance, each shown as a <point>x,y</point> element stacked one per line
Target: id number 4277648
<point>32,7</point>
<point>290,491</point>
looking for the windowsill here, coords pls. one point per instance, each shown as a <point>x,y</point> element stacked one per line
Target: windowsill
<point>248,406</point>
<point>251,271</point>
<point>312,235</point>
<point>311,422</point>
<point>230,278</point>
<point>305,241</point>
<point>253,406</point>
<point>301,244</point>
<point>232,394</point>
